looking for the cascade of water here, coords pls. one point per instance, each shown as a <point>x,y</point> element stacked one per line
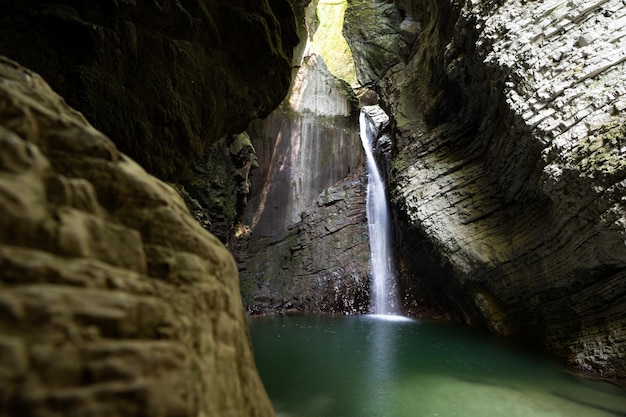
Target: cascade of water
<point>379,224</point>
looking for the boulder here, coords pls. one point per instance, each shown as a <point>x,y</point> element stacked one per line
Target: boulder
<point>113,299</point>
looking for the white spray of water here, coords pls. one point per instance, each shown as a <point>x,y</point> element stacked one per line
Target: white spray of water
<point>379,224</point>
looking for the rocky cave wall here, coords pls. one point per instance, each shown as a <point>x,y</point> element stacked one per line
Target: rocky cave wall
<point>168,81</point>
<point>165,79</point>
<point>508,168</point>
<point>303,242</point>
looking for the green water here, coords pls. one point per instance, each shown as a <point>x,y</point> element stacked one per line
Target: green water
<point>365,366</point>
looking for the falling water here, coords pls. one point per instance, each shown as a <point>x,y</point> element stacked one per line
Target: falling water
<point>379,225</point>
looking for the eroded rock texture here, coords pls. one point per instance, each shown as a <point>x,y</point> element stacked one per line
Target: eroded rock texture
<point>217,192</point>
<point>319,264</point>
<point>508,172</point>
<point>113,299</point>
<point>164,79</point>
<point>304,243</point>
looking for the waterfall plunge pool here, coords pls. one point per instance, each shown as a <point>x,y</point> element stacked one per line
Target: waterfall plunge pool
<point>370,366</point>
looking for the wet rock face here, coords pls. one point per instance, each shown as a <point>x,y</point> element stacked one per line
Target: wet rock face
<point>113,299</point>
<point>164,79</point>
<point>372,29</point>
<point>508,173</point>
<point>305,146</point>
<point>303,241</point>
<point>319,264</point>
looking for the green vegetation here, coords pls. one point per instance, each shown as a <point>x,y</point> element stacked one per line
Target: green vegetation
<point>329,42</point>
<point>600,154</point>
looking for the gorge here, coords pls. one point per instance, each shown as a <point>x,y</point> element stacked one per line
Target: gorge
<point>488,173</point>
<point>119,294</point>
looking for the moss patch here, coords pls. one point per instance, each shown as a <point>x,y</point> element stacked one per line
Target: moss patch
<point>600,155</point>
<point>329,42</point>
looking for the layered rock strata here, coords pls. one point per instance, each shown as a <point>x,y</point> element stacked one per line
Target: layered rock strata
<point>508,172</point>
<point>113,299</point>
<point>319,264</point>
<point>303,241</point>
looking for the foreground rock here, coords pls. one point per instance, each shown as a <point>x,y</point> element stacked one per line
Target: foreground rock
<point>509,171</point>
<point>113,299</point>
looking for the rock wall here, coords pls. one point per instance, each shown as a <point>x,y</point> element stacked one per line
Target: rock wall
<point>372,29</point>
<point>305,146</point>
<point>319,264</point>
<point>171,82</point>
<point>113,299</point>
<point>508,174</point>
<point>218,189</point>
<point>302,243</point>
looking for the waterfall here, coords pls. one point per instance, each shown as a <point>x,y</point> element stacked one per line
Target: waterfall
<point>379,224</point>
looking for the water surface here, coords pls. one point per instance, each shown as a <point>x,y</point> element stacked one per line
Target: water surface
<point>368,366</point>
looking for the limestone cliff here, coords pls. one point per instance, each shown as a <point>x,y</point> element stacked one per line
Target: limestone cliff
<point>303,241</point>
<point>508,169</point>
<point>113,299</point>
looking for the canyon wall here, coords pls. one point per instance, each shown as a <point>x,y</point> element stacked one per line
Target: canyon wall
<point>303,244</point>
<point>508,174</point>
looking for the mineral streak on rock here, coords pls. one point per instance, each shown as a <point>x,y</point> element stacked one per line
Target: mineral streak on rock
<point>113,299</point>
<point>320,264</point>
<point>508,172</point>
<point>304,243</point>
